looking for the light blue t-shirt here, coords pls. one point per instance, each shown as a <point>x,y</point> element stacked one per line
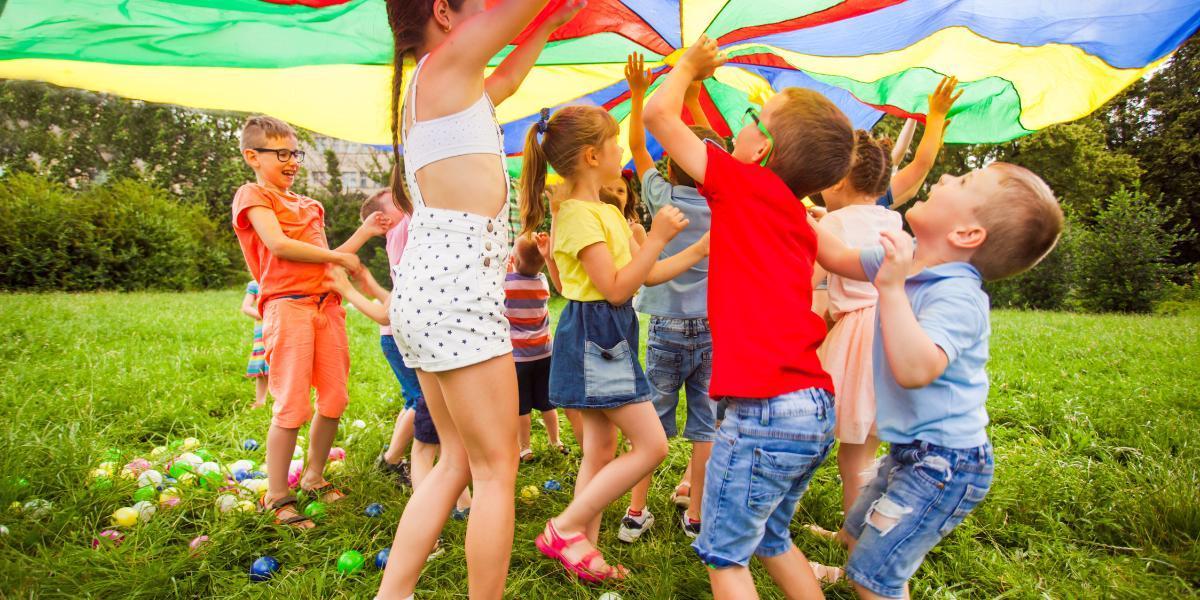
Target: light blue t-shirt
<point>686,296</point>
<point>952,309</point>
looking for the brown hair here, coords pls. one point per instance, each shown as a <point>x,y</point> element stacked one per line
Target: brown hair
<point>529,259</point>
<point>872,169</point>
<point>630,210</point>
<point>566,135</point>
<point>680,177</point>
<point>1023,224</point>
<point>372,204</point>
<point>407,20</point>
<point>814,142</point>
<point>259,128</point>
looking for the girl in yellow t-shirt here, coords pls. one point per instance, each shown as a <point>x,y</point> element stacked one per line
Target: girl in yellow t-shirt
<point>595,365</point>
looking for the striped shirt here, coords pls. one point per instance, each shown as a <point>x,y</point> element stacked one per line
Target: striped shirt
<point>525,301</point>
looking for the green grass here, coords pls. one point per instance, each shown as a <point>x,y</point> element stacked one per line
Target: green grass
<point>1097,490</point>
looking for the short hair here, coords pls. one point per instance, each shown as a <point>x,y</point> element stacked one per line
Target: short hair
<point>814,142</point>
<point>678,175</point>
<point>374,203</point>
<point>1023,224</point>
<point>528,256</point>
<point>259,128</point>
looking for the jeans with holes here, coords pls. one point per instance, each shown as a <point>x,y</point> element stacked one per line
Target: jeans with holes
<point>919,494</point>
<point>765,454</point>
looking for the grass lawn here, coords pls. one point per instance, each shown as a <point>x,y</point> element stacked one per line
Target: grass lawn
<point>1094,420</point>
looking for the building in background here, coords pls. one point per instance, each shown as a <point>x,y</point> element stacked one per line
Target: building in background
<point>360,164</point>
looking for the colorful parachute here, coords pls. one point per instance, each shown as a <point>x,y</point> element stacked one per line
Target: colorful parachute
<point>324,64</point>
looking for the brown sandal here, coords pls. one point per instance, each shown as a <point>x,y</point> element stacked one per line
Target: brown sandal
<point>320,493</point>
<point>279,506</point>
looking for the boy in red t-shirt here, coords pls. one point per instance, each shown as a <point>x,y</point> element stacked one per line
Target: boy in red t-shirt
<point>778,427</point>
<point>282,235</point>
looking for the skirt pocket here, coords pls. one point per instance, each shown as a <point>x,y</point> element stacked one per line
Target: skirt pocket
<point>608,372</point>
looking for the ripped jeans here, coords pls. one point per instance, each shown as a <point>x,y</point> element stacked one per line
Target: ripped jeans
<point>919,494</point>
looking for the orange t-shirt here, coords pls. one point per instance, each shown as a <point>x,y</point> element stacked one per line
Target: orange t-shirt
<point>302,219</point>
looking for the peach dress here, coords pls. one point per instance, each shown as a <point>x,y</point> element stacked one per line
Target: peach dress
<point>846,352</point>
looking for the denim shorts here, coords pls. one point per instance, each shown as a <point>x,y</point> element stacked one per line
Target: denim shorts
<point>595,362</point>
<point>765,454</point>
<point>410,387</point>
<point>423,428</point>
<point>679,354</point>
<point>920,493</point>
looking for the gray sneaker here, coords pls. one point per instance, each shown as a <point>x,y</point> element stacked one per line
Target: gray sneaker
<point>690,529</point>
<point>632,527</point>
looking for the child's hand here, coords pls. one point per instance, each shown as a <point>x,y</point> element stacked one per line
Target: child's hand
<point>943,98</point>
<point>543,244</point>
<point>363,277</point>
<point>348,261</point>
<point>376,224</point>
<point>667,224</point>
<point>701,59</point>
<point>636,75</point>
<point>817,212</point>
<point>565,13</point>
<point>897,259</point>
<point>335,278</point>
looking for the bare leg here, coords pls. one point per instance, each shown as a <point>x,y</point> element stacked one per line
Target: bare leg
<point>402,434</point>
<point>524,424</point>
<point>792,574</point>
<point>280,443</point>
<point>422,461</point>
<point>576,421</point>
<point>600,449</point>
<point>732,583</point>
<point>640,493</point>
<point>320,440</point>
<point>697,466</point>
<point>260,392</point>
<point>550,420</point>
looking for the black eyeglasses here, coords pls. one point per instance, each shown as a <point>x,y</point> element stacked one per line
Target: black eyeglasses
<point>283,154</point>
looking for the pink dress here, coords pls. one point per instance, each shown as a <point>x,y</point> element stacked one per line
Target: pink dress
<point>846,352</point>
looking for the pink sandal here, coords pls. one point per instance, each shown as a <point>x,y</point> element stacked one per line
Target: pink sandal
<point>583,569</point>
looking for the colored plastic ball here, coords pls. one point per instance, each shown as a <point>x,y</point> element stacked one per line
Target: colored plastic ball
<point>552,485</point>
<point>240,475</point>
<point>350,562</point>
<point>359,424</point>
<point>530,493</point>
<point>158,452</point>
<point>258,475</point>
<point>226,502</point>
<point>297,453</point>
<point>189,444</point>
<point>190,458</point>
<point>179,469</point>
<point>212,481</point>
<point>263,569</point>
<point>205,454</point>
<point>108,537</point>
<point>3,530</point>
<point>145,510</point>
<point>315,510</point>
<point>241,465</point>
<point>149,477</point>
<point>145,493</point>
<point>138,465</point>
<point>112,454</point>
<point>374,509</point>
<point>196,542</point>
<point>250,445</point>
<point>335,467</point>
<point>337,453</point>
<point>37,508</point>
<point>101,483</point>
<point>208,467</point>
<point>125,517</point>
<point>381,558</point>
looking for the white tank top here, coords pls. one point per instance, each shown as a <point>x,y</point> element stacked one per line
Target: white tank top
<point>471,131</point>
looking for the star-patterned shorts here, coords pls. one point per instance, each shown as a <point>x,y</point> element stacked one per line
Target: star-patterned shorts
<point>447,305</point>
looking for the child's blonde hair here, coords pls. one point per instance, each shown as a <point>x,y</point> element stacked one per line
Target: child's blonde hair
<point>564,137</point>
<point>1023,224</point>
<point>259,129</point>
<point>814,142</point>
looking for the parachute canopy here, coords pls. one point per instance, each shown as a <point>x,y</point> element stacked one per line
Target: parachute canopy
<point>325,64</point>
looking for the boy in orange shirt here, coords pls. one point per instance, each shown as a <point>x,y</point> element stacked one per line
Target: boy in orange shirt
<point>282,236</point>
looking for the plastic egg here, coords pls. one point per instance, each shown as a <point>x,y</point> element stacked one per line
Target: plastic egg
<point>337,453</point>
<point>158,453</point>
<point>359,424</point>
<point>246,506</point>
<point>208,467</point>
<point>125,517</point>
<point>3,531</point>
<point>350,562</point>
<point>530,493</point>
<point>552,485</point>
<point>196,542</point>
<point>149,477</point>
<point>145,493</point>
<point>315,510</point>
<point>205,454</point>
<point>108,536</point>
<point>37,508</point>
<point>381,558</point>
<point>138,465</point>
<point>250,445</point>
<point>190,458</point>
<point>189,444</point>
<point>373,509</point>
<point>335,467</point>
<point>263,569</point>
<point>145,510</point>
<point>226,502</point>
<point>241,465</point>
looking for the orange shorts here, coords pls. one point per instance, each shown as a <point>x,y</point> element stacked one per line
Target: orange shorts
<point>307,347</point>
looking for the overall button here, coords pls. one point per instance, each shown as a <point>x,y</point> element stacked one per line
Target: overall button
<point>487,246</point>
<point>489,228</point>
<point>487,262</point>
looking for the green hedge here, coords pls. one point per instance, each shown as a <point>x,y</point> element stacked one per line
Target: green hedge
<point>123,235</point>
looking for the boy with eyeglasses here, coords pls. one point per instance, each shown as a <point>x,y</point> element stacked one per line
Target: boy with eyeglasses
<point>282,236</point>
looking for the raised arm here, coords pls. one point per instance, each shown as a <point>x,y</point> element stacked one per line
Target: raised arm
<point>619,285</point>
<point>639,80</point>
<point>338,282</point>
<point>907,182</point>
<point>504,81</point>
<point>691,101</point>
<point>914,358</point>
<point>662,112</point>
<point>376,224</point>
<point>903,141</point>
<point>266,225</point>
<point>835,256</point>
<point>673,266</point>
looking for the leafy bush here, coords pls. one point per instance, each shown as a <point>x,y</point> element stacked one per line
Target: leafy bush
<point>1122,259</point>
<point>124,235</point>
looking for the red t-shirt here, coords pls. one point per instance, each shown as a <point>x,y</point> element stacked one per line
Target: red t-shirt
<point>302,219</point>
<point>761,253</point>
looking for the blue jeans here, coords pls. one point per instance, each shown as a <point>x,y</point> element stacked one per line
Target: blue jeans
<point>679,354</point>
<point>765,454</point>
<point>410,387</point>
<point>595,363</point>
<point>920,493</point>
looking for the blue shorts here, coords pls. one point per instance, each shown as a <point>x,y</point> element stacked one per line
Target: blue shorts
<point>410,387</point>
<point>595,363</point>
<point>765,454</point>
<point>920,493</point>
<point>679,354</point>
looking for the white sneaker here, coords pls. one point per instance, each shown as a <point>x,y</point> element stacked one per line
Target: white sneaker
<point>632,527</point>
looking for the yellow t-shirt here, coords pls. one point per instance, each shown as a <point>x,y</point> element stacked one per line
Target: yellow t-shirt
<point>580,224</point>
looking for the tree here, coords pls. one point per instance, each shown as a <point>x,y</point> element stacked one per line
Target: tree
<point>333,170</point>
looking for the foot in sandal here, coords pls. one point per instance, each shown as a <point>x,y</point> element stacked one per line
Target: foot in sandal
<point>527,455</point>
<point>682,497</point>
<point>323,492</point>
<point>286,512</point>
<point>577,555</point>
<point>825,574</point>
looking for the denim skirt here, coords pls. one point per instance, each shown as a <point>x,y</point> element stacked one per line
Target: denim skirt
<point>595,362</point>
